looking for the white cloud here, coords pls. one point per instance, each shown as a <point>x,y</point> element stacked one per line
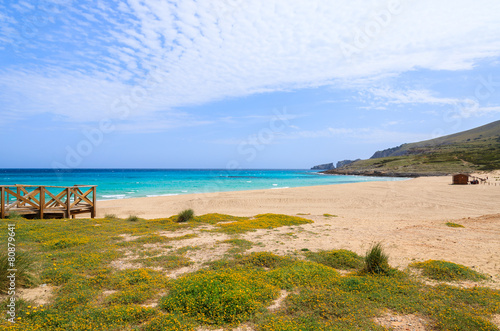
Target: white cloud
<point>209,50</point>
<point>390,96</point>
<point>461,107</point>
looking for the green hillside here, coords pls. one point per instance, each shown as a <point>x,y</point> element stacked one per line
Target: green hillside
<point>473,150</point>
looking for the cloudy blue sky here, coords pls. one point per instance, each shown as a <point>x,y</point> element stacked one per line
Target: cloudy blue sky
<point>237,83</point>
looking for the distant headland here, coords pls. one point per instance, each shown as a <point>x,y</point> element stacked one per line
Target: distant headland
<point>469,151</point>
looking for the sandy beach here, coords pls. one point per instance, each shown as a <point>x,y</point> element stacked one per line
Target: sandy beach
<point>407,216</point>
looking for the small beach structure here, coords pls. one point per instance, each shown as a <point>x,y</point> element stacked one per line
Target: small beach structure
<point>47,201</point>
<point>460,179</point>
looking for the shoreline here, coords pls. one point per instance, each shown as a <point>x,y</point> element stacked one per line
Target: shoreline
<point>375,173</point>
<point>254,189</point>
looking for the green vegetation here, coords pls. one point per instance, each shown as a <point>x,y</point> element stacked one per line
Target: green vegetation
<point>166,262</point>
<point>171,322</point>
<point>376,261</point>
<point>220,297</point>
<point>262,221</point>
<point>135,286</point>
<point>80,261</point>
<point>338,259</point>
<point>240,245</point>
<point>185,216</point>
<point>454,225</point>
<point>468,151</point>
<point>23,264</point>
<point>447,271</point>
<point>132,218</point>
<point>15,216</point>
<point>110,216</point>
<point>329,215</point>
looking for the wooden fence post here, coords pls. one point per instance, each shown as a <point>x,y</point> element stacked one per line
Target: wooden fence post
<point>42,201</point>
<point>18,191</point>
<point>2,207</point>
<point>93,213</point>
<point>68,202</point>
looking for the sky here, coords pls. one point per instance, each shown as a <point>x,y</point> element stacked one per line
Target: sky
<point>234,84</point>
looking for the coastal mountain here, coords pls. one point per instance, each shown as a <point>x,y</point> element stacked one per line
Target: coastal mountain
<point>326,166</point>
<point>472,150</point>
<point>329,166</point>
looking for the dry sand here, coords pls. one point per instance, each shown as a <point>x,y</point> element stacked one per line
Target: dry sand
<point>407,216</point>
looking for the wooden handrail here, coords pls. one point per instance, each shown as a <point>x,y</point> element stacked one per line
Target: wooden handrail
<point>26,202</point>
<point>22,185</point>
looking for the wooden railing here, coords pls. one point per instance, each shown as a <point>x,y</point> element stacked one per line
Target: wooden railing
<point>42,201</point>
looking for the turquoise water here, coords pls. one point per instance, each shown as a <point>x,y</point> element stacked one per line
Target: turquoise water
<point>135,183</point>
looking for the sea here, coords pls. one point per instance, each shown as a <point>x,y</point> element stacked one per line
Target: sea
<point>135,183</point>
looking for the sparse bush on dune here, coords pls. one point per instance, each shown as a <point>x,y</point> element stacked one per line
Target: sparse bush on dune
<point>185,216</point>
<point>376,261</point>
<point>132,218</point>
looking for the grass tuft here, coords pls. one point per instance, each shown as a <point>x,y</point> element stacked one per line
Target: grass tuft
<point>23,265</point>
<point>454,225</point>
<point>447,271</point>
<point>185,216</point>
<point>15,216</point>
<point>133,218</point>
<point>376,261</point>
<point>111,217</point>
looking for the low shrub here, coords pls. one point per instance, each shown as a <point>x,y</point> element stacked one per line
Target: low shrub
<point>220,297</point>
<point>303,273</point>
<point>447,271</point>
<point>376,261</point>
<point>338,259</point>
<point>185,216</point>
<point>132,218</point>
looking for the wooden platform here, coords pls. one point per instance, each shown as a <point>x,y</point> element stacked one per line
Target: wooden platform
<point>47,201</point>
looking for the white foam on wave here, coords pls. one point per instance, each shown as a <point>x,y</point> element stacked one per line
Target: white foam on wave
<point>114,196</point>
<point>279,188</point>
<point>161,195</point>
<point>275,184</point>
